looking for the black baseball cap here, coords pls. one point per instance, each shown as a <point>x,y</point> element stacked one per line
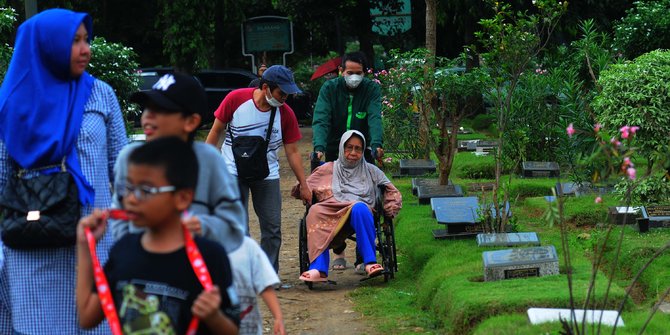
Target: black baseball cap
<point>175,92</point>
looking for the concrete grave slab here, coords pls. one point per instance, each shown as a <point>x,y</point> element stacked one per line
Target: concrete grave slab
<point>417,167</point>
<point>540,169</point>
<point>427,192</point>
<point>508,239</point>
<point>520,263</point>
<point>543,315</point>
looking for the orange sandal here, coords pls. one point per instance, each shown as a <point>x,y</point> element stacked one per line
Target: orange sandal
<point>373,270</point>
<point>312,276</point>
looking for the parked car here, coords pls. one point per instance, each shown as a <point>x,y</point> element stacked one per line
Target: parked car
<point>218,83</point>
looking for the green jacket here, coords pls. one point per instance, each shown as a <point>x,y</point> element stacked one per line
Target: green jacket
<point>331,114</point>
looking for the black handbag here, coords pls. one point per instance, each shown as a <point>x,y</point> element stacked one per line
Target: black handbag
<point>41,211</point>
<point>250,153</point>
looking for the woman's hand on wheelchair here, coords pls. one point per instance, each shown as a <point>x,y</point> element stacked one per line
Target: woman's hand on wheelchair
<point>305,193</point>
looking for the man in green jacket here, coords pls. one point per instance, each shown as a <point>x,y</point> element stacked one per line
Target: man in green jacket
<point>348,102</point>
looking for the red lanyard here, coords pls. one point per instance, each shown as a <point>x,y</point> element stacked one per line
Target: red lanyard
<point>104,292</point>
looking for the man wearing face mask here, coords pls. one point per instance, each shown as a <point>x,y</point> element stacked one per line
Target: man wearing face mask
<point>247,112</point>
<point>349,102</point>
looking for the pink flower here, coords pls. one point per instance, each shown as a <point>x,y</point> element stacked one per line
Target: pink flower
<point>631,173</point>
<point>625,131</point>
<point>614,141</point>
<point>599,200</point>
<point>570,130</point>
<point>388,159</point>
<point>597,127</point>
<point>627,162</point>
<point>634,129</point>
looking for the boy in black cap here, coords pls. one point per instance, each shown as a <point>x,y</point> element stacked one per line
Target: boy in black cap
<point>173,107</point>
<point>247,112</point>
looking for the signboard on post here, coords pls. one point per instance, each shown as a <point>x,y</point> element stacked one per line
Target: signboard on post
<point>267,34</point>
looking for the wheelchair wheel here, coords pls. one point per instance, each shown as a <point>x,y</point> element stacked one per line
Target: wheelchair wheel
<point>387,248</point>
<point>302,248</point>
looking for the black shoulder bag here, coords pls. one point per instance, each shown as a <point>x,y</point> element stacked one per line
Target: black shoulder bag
<point>250,153</point>
<point>40,211</point>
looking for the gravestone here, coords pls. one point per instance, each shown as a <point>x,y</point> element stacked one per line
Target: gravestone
<point>619,215</point>
<point>427,192</point>
<point>467,145</point>
<point>540,169</point>
<point>416,167</point>
<point>658,215</point>
<point>416,182</point>
<point>480,187</point>
<point>549,198</point>
<point>460,215</point>
<point>520,263</point>
<point>507,240</point>
<point>543,315</point>
<point>566,189</point>
<point>486,146</point>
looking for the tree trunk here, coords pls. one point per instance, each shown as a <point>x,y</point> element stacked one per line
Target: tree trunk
<point>364,27</point>
<point>431,26</point>
<point>429,106</point>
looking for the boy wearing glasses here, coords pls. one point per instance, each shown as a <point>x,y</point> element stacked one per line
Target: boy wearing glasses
<point>173,107</point>
<point>151,280</point>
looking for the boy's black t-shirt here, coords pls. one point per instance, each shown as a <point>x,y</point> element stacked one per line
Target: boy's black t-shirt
<point>153,293</point>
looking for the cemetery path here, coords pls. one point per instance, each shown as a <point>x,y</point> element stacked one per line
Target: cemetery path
<point>327,309</point>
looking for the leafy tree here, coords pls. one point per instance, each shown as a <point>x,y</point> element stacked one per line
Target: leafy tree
<point>7,20</point>
<point>645,27</point>
<point>188,32</point>
<point>638,93</point>
<point>116,65</point>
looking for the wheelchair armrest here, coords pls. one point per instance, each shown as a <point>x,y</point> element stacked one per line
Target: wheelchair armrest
<point>379,202</point>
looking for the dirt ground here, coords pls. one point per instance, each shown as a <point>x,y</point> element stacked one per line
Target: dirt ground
<point>326,309</point>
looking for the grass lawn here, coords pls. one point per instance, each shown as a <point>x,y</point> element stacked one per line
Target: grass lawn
<point>440,287</point>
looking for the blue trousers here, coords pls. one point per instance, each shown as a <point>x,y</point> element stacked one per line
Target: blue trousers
<point>362,221</point>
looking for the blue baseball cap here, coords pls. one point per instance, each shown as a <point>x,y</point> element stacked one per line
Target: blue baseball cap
<point>283,77</point>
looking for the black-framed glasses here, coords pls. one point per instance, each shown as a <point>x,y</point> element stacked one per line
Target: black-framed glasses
<point>142,192</point>
<point>350,148</point>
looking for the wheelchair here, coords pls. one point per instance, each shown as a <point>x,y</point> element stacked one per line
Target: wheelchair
<point>385,244</point>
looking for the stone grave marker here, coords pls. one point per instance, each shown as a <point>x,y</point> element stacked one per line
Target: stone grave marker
<point>520,263</point>
<point>460,215</point>
<point>617,215</point>
<point>549,198</point>
<point>507,239</point>
<point>486,146</point>
<point>427,192</point>
<point>543,315</point>
<point>416,167</point>
<point>416,182</point>
<point>540,169</point>
<point>658,216</point>
<point>467,145</point>
<point>479,187</point>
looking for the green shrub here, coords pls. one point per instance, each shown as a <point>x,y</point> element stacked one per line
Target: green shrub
<point>478,170</point>
<point>7,20</point>
<point>637,93</point>
<point>116,65</point>
<point>482,122</point>
<point>531,188</point>
<point>651,190</point>
<point>645,27</point>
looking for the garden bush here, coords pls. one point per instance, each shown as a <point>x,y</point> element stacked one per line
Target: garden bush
<point>116,65</point>
<point>478,170</point>
<point>531,188</point>
<point>483,122</point>
<point>647,191</point>
<point>645,27</point>
<point>7,20</point>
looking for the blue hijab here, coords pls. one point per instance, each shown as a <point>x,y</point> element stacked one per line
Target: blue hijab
<point>41,104</point>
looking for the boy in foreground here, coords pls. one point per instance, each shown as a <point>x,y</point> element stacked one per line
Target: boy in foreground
<point>152,282</point>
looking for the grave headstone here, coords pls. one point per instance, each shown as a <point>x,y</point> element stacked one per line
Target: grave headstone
<point>658,215</point>
<point>520,263</point>
<point>549,198</point>
<point>479,187</point>
<point>417,167</point>
<point>427,192</point>
<point>507,239</point>
<point>460,215</point>
<point>467,145</point>
<point>416,182</point>
<point>566,189</point>
<point>487,145</point>
<point>619,215</point>
<point>540,169</point>
<point>543,315</point>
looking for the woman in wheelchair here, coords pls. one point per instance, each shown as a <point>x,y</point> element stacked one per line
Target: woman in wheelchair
<point>345,192</point>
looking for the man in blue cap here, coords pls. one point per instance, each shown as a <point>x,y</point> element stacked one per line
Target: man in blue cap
<point>245,114</point>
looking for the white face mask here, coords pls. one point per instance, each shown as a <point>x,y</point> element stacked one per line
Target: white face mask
<point>353,80</point>
<point>272,101</point>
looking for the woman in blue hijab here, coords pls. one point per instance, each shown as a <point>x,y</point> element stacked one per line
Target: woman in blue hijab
<point>51,108</point>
